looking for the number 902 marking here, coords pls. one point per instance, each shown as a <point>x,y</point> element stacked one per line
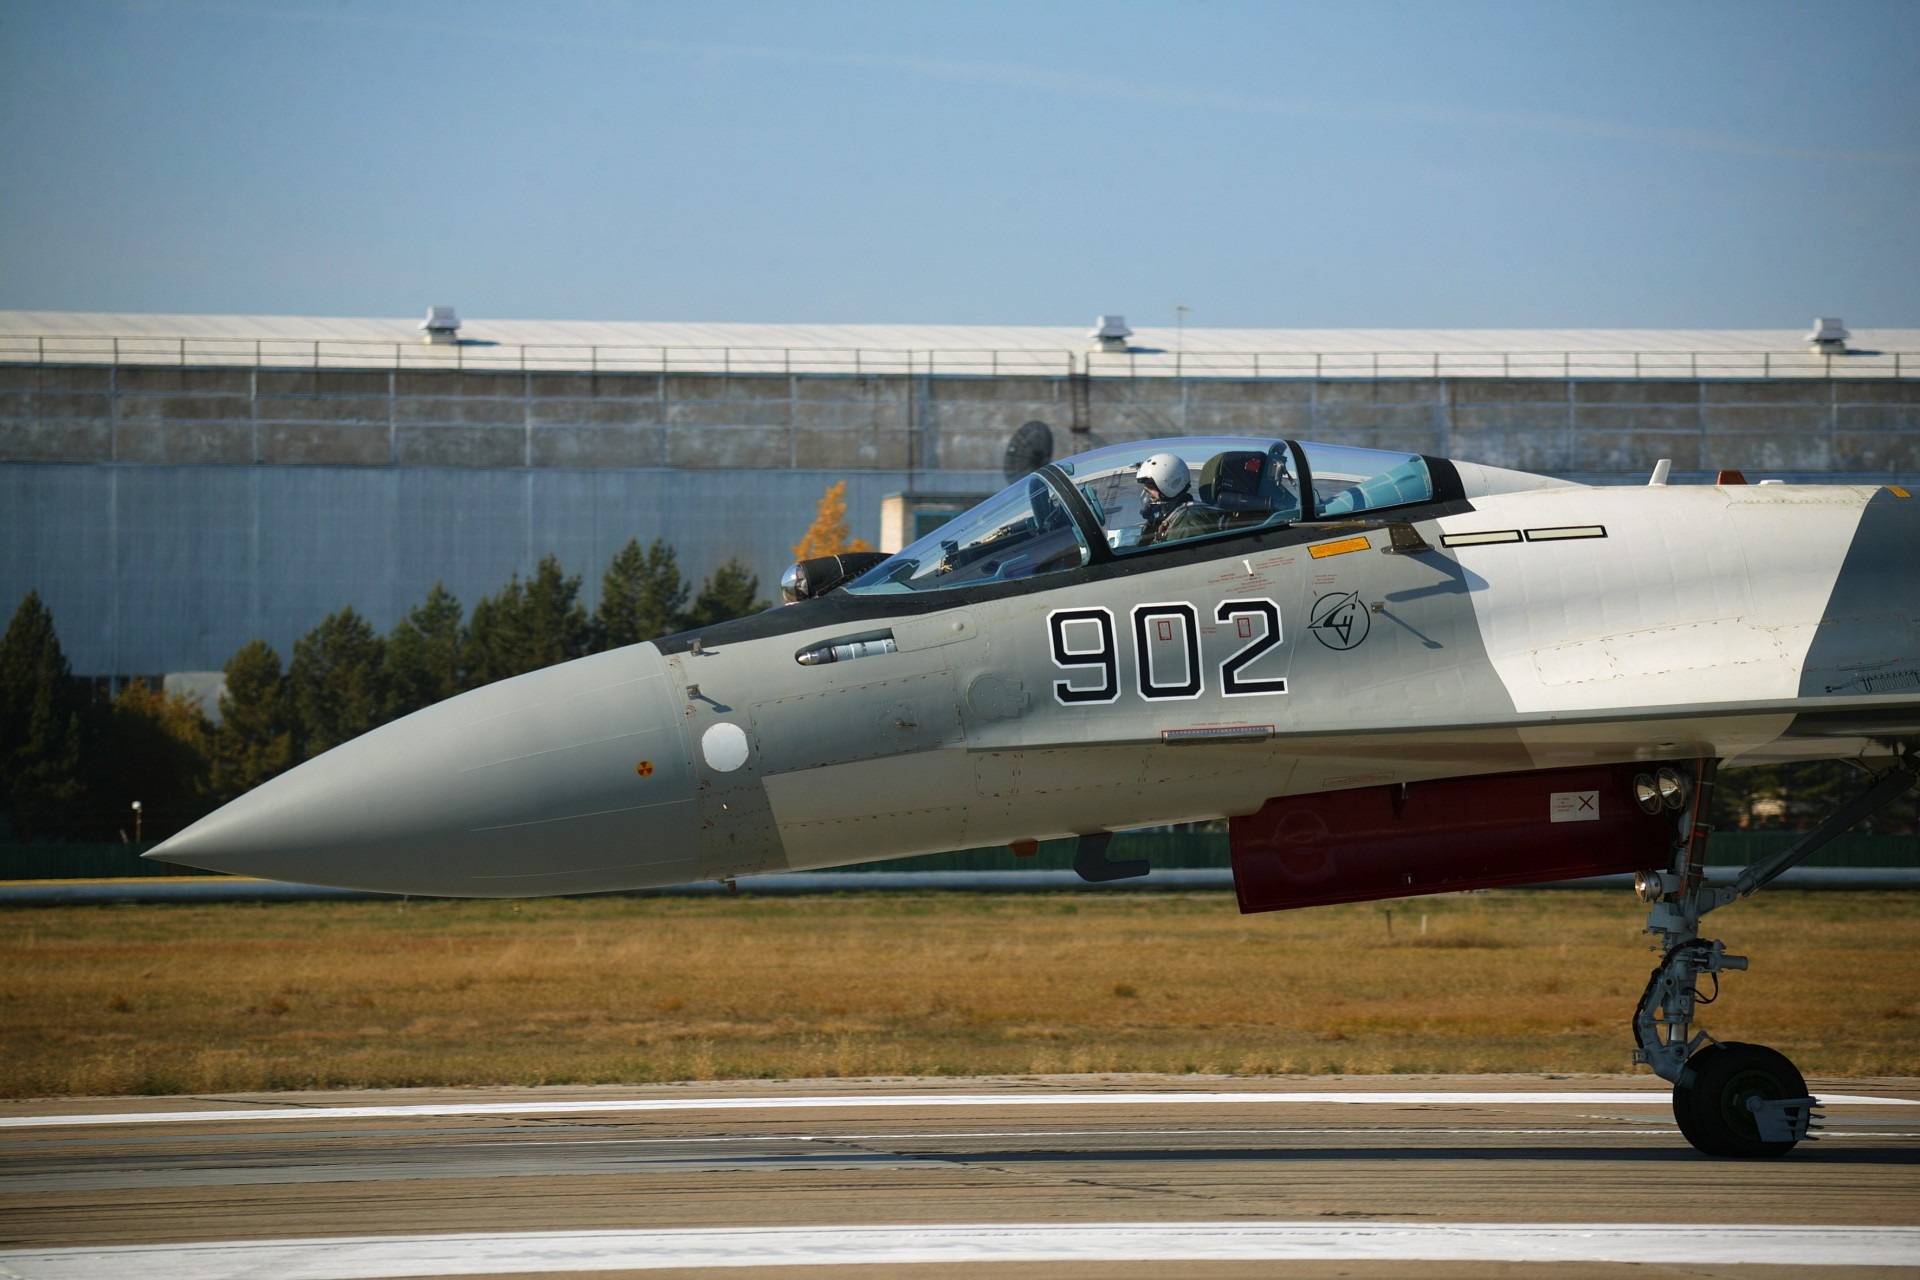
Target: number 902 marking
<point>1167,658</point>
<point>1067,655</point>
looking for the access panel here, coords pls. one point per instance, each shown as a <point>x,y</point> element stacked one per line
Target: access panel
<point>1402,840</point>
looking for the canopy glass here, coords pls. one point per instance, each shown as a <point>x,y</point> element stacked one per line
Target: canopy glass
<point>1053,519</point>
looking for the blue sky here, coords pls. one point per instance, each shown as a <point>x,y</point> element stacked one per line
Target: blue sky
<point>1350,164</point>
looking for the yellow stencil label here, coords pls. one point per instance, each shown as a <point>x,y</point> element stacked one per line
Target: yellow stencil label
<point>1898,492</point>
<point>1339,548</point>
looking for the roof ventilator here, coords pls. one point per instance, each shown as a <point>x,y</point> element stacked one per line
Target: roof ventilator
<point>1110,333</point>
<point>441,325</point>
<point>1829,337</point>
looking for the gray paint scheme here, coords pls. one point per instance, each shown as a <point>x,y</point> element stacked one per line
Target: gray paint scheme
<point>1869,636</point>
<point>510,789</point>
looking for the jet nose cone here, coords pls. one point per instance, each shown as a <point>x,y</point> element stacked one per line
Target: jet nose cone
<point>568,780</point>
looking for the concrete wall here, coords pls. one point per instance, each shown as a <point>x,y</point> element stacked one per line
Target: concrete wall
<point>170,515</point>
<point>152,568</point>
<point>356,418</point>
<point>701,421</point>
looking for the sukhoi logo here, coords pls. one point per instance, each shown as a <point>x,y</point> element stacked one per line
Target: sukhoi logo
<point>1339,620</point>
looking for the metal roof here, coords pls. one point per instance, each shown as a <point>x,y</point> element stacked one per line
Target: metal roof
<point>340,342</point>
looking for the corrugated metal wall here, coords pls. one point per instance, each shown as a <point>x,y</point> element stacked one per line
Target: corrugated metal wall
<point>156,568</point>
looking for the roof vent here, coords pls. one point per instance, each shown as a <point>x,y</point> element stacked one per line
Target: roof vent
<point>1110,333</point>
<point>1829,337</point>
<point>441,325</point>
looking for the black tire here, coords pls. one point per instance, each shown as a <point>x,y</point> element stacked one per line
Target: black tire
<point>1683,1097</point>
<point>1713,1111</point>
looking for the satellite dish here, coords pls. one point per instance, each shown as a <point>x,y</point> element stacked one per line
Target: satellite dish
<point>1028,449</point>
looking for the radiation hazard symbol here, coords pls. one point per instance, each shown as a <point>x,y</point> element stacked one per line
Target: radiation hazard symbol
<point>644,768</point>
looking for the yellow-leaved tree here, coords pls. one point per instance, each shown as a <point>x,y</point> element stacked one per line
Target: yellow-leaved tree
<point>827,535</point>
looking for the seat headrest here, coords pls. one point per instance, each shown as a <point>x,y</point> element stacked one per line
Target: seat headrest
<point>1236,474</point>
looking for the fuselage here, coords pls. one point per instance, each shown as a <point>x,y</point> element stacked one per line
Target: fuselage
<point>1505,623</point>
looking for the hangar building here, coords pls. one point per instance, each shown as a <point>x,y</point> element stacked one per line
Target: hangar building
<point>177,485</point>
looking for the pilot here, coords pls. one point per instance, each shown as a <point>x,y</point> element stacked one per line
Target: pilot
<point>1165,487</point>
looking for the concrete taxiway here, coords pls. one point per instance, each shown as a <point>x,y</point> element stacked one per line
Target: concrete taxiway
<point>1056,1176</point>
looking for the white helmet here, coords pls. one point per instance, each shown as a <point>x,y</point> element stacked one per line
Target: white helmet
<point>1166,473</point>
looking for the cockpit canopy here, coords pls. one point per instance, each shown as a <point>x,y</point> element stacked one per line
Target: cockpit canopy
<point>1055,518</point>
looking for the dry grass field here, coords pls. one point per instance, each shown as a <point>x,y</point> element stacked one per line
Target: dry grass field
<point>176,999</point>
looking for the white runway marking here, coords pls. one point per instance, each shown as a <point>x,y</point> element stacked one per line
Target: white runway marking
<point>927,1101</point>
<point>533,1252</point>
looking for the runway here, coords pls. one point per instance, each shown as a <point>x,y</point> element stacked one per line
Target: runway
<point>1053,1176</point>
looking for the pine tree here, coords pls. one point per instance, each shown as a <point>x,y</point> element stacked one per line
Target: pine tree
<point>732,592</point>
<point>641,596</point>
<point>161,747</point>
<point>495,644</point>
<point>424,655</point>
<point>559,618</point>
<point>828,534</point>
<point>255,738</point>
<point>336,682</point>
<point>528,625</point>
<point>42,724</point>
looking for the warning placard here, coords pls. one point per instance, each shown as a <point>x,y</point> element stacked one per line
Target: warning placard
<point>1574,806</point>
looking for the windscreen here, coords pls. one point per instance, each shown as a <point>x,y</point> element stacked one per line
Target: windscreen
<point>1021,531</point>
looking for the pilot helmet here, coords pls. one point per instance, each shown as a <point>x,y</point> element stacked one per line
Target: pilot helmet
<point>1165,474</point>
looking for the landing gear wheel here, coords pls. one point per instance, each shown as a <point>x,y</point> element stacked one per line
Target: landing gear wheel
<point>1712,1111</point>
<point>1683,1098</point>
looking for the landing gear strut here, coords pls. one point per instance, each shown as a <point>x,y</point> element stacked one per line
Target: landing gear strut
<point>1729,1099</point>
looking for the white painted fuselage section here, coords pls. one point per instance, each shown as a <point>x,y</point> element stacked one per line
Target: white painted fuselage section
<point>1693,596</point>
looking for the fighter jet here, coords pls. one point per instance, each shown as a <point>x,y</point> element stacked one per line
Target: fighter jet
<point>1391,674</point>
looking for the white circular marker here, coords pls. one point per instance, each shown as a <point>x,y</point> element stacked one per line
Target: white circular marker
<point>724,746</point>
